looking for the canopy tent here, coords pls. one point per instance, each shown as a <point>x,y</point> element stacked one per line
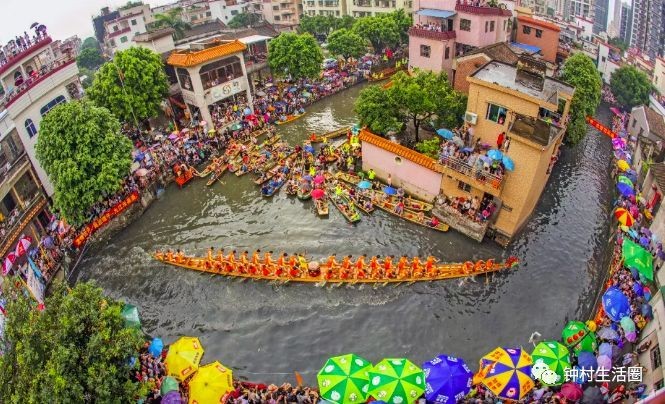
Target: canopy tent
<point>428,12</point>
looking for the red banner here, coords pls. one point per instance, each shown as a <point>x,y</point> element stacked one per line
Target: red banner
<point>106,217</point>
<point>601,128</point>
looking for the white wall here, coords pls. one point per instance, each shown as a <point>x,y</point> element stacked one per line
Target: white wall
<point>224,13</point>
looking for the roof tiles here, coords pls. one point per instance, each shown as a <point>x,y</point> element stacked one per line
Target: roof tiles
<point>193,58</point>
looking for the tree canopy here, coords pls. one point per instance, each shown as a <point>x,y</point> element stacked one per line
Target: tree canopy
<point>403,21</point>
<point>630,86</point>
<point>244,20</point>
<point>85,156</point>
<point>90,58</point>
<point>172,19</point>
<point>346,43</point>
<point>580,71</point>
<point>90,42</point>
<point>297,55</point>
<point>132,85</point>
<point>380,31</point>
<point>74,351</point>
<point>378,111</point>
<point>321,25</point>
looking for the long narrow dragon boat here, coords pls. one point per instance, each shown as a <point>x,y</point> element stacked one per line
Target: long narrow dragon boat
<point>320,273</point>
<point>331,135</point>
<point>290,118</point>
<point>409,203</point>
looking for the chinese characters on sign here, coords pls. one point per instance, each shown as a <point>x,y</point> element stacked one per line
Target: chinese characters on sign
<point>620,374</point>
<point>601,128</point>
<point>106,217</point>
<point>225,90</point>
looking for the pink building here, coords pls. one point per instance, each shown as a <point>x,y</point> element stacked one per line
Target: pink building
<point>444,29</point>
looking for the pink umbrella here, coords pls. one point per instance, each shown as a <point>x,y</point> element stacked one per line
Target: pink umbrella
<point>319,179</point>
<point>8,263</point>
<point>141,172</point>
<point>571,391</point>
<point>318,193</point>
<point>23,245</point>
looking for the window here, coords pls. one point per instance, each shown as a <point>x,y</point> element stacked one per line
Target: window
<point>208,14</point>
<point>52,104</point>
<point>496,114</point>
<point>602,58</point>
<point>634,122</point>
<point>234,12</point>
<point>659,385</point>
<point>133,22</point>
<point>425,51</point>
<point>504,24</point>
<point>526,30</point>
<point>539,33</point>
<point>447,55</point>
<point>115,28</point>
<point>491,26</point>
<point>486,25</point>
<point>123,39</point>
<point>30,127</point>
<point>219,72</point>
<point>463,186</point>
<point>464,25</point>
<point>655,358</point>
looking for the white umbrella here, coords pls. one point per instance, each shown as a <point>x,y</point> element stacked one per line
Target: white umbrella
<point>23,245</point>
<point>141,172</point>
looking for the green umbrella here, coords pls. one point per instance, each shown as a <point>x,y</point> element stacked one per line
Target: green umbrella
<point>344,379</point>
<point>577,336</point>
<point>236,126</point>
<point>169,384</point>
<point>625,180</point>
<point>131,315</point>
<point>396,381</point>
<point>634,256</point>
<point>556,356</point>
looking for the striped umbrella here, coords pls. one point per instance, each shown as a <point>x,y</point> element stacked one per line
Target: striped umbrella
<point>624,217</point>
<point>23,245</point>
<point>8,263</point>
<point>396,381</point>
<point>509,373</point>
<point>625,180</point>
<point>344,379</point>
<point>557,358</point>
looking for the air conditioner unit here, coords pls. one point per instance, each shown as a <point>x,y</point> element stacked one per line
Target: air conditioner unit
<point>471,118</point>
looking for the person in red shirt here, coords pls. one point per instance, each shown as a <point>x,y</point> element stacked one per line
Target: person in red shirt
<point>360,267</point>
<point>388,266</point>
<point>374,266</point>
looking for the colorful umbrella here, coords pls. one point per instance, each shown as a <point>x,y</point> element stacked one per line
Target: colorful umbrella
<point>9,261</point>
<point>557,358</point>
<point>637,257</point>
<point>172,397</point>
<point>627,324</point>
<point>344,379</point>
<point>396,380</point>
<point>445,133</point>
<point>495,154</point>
<point>23,245</point>
<point>131,316</point>
<point>607,333</point>
<point>571,391</point>
<point>389,191</point>
<point>210,383</point>
<point>509,373</point>
<point>587,360</point>
<point>508,163</point>
<point>577,336</point>
<point>615,304</point>
<point>156,347</point>
<point>184,357</point>
<point>618,143</point>
<point>446,379</point>
<point>319,179</point>
<point>624,217</point>
<point>236,126</point>
<point>625,189</point>
<point>625,180</point>
<point>141,172</point>
<point>168,384</point>
<point>364,184</point>
<point>623,165</point>
<point>318,193</point>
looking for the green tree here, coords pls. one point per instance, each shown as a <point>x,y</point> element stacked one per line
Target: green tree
<point>172,19</point>
<point>377,110</point>
<point>244,20</point>
<point>631,87</point>
<point>90,42</point>
<point>90,58</point>
<point>403,21</point>
<point>580,72</point>
<point>132,85</point>
<point>295,55</point>
<point>430,147</point>
<point>343,22</point>
<point>379,31</point>
<point>74,351</point>
<point>346,43</point>
<point>86,75</point>
<point>318,25</point>
<point>85,156</point>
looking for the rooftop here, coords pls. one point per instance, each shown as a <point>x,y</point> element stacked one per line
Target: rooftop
<point>655,121</point>
<point>189,58</point>
<point>505,75</point>
<point>500,51</point>
<point>540,23</point>
<point>152,35</point>
<point>402,151</point>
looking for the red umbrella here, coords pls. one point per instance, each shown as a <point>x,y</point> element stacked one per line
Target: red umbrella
<point>318,193</point>
<point>319,179</point>
<point>23,245</point>
<point>571,391</point>
<point>8,263</point>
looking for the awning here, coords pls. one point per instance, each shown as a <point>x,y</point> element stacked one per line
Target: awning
<point>528,48</point>
<point>435,13</point>
<point>253,39</point>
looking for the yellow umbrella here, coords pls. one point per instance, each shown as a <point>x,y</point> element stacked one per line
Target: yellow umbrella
<point>210,384</point>
<point>184,357</point>
<point>623,165</point>
<point>507,373</point>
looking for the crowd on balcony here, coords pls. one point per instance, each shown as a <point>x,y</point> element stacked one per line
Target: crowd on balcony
<point>23,83</point>
<point>21,43</point>
<point>430,26</point>
<point>473,208</point>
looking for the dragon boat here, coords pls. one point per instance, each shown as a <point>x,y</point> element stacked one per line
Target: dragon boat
<point>290,118</point>
<point>330,135</point>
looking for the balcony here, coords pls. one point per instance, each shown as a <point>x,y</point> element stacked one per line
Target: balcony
<point>13,226</point>
<point>482,10</point>
<point>255,62</point>
<point>11,168</point>
<point>327,4</point>
<point>16,57</point>
<point>477,177</point>
<point>535,129</point>
<point>462,223</point>
<point>119,32</point>
<point>430,34</point>
<point>362,3</point>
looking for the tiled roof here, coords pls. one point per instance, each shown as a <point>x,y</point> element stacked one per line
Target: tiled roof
<point>540,23</point>
<point>405,152</point>
<point>656,122</point>
<point>500,51</point>
<point>189,58</point>
<point>658,172</point>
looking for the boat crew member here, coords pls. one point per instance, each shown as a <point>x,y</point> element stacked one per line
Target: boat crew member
<point>244,262</point>
<point>293,261</point>
<point>220,255</point>
<point>209,258</point>
<point>180,257</point>
<point>402,267</point>
<point>231,261</point>
<point>388,266</point>
<point>374,266</point>
<point>338,190</point>
<point>302,261</point>
<point>346,267</point>
<point>169,255</point>
<point>430,266</point>
<point>415,268</point>
<point>331,265</point>
<point>281,262</point>
<point>267,259</point>
<point>159,255</point>
<point>312,137</point>
<point>360,267</point>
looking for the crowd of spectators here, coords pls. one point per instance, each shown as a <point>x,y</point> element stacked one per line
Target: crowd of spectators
<point>251,393</point>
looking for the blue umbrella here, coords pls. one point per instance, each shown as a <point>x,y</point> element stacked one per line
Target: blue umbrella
<point>445,133</point>
<point>508,163</point>
<point>247,111</point>
<point>644,241</point>
<point>638,289</point>
<point>647,311</point>
<point>156,347</point>
<point>308,149</point>
<point>467,150</point>
<point>307,177</point>
<point>625,189</point>
<point>587,360</point>
<point>495,154</point>
<point>446,378</point>
<point>389,191</point>
<point>293,89</point>
<point>364,185</point>
<point>139,157</point>
<point>615,304</point>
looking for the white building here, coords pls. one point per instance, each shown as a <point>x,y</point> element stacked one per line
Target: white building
<point>120,31</point>
<point>609,58</point>
<point>225,10</point>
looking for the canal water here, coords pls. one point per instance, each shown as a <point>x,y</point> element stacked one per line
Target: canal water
<point>265,331</point>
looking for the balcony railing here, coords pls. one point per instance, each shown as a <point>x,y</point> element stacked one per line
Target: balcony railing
<point>478,175</point>
<point>9,169</point>
<point>5,64</point>
<point>482,10</point>
<point>119,32</point>
<point>14,224</point>
<point>536,130</point>
<point>363,3</point>
<point>436,35</point>
<point>462,223</point>
<point>45,72</point>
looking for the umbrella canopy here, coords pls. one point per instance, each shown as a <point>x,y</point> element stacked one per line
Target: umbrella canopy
<point>23,245</point>
<point>184,357</point>
<point>577,336</point>
<point>625,180</point>
<point>637,257</point>
<point>344,379</point>
<point>618,143</point>
<point>173,136</point>
<point>587,360</point>
<point>509,373</point>
<point>141,172</point>
<point>203,123</point>
<point>172,397</point>
<point>247,111</point>
<point>623,165</point>
<point>445,133</point>
<point>604,362</point>
<point>458,141</point>
<point>156,347</point>
<point>495,154</point>
<point>168,384</point>
<point>389,191</point>
<point>210,383</point>
<point>236,126</point>
<point>624,217</point>
<point>627,324</point>
<point>131,316</point>
<point>615,304</point>
<point>396,380</point>
<point>319,179</point>
<point>308,149</point>
<point>593,395</point>
<point>135,166</point>
<point>557,358</point>
<point>446,378</point>
<point>364,184</point>
<point>607,333</point>
<point>318,193</point>
<point>508,163</point>
<point>571,391</point>
<point>625,189</point>
<point>8,263</point>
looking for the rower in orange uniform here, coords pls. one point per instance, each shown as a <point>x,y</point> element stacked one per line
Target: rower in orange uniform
<point>415,268</point>
<point>159,255</point>
<point>219,260</point>
<point>281,262</point>
<point>346,267</point>
<point>268,263</point>
<point>359,272</point>
<point>231,261</point>
<point>244,262</point>
<point>209,258</point>
<point>331,265</point>
<point>180,257</point>
<point>401,267</point>
<point>388,266</point>
<point>293,262</point>
<point>169,255</point>
<point>430,266</point>
<point>374,266</point>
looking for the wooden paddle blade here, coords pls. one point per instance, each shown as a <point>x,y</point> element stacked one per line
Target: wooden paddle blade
<point>299,379</point>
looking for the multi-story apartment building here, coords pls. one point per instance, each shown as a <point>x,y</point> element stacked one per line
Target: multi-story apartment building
<point>99,22</point>
<point>601,15</point>
<point>539,33</point>
<point>582,8</point>
<point>648,27</point>
<point>283,14</point>
<point>225,10</point>
<point>372,8</point>
<point>120,31</point>
<point>335,8</point>
<point>626,23</point>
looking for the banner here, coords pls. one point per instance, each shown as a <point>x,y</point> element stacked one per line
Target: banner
<point>34,283</point>
<point>601,128</point>
<point>92,227</point>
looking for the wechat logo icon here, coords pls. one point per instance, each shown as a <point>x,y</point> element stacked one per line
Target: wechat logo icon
<point>540,371</point>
